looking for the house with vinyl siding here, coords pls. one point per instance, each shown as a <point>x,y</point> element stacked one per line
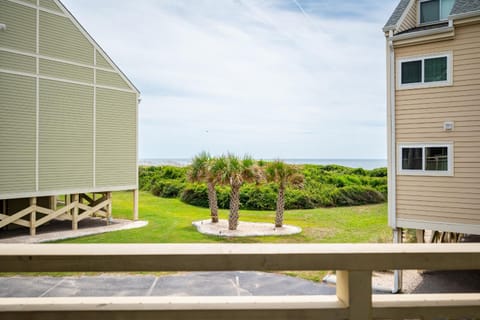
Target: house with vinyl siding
<point>68,119</point>
<point>433,72</point>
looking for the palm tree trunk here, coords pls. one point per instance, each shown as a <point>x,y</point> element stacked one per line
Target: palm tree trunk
<point>234,207</point>
<point>280,207</point>
<point>212,202</point>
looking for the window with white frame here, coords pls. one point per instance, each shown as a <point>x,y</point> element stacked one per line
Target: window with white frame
<point>431,11</point>
<point>425,159</point>
<point>425,71</point>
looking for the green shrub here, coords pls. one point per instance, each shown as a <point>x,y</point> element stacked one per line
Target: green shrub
<point>254,197</point>
<point>168,188</point>
<point>195,194</point>
<point>356,195</point>
<point>297,199</point>
<point>324,186</point>
<point>378,172</point>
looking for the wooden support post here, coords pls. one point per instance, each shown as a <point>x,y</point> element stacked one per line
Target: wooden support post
<point>135,204</point>
<point>354,289</point>
<point>109,207</point>
<point>397,274</point>
<point>4,206</point>
<point>53,203</point>
<point>75,212</point>
<point>33,216</point>
<point>420,236</point>
<point>67,202</point>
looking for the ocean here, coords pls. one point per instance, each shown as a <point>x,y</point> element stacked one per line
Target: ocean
<point>353,163</point>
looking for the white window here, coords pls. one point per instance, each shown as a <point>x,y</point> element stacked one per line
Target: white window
<point>435,159</point>
<point>431,11</point>
<point>425,71</point>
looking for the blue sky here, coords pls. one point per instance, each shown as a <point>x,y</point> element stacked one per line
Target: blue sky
<point>273,79</point>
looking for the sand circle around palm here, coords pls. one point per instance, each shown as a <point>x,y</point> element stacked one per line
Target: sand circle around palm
<point>244,229</point>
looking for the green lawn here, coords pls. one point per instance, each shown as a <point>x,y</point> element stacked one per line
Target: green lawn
<point>170,221</point>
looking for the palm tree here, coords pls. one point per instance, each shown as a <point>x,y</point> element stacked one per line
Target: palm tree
<point>282,174</point>
<point>201,170</point>
<point>234,172</point>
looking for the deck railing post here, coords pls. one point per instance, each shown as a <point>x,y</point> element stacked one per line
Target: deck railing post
<point>354,289</point>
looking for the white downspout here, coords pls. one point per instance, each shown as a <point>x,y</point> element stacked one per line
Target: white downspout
<point>392,167</point>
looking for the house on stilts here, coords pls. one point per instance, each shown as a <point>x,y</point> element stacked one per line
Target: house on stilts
<point>68,119</point>
<point>433,72</point>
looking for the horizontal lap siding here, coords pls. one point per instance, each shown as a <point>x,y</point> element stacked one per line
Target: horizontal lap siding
<point>33,2</point>
<point>111,79</point>
<point>116,160</point>
<point>66,139</point>
<point>420,114</point>
<point>66,136</point>
<point>60,38</point>
<point>101,61</point>
<point>50,4</point>
<point>17,62</point>
<point>66,71</point>
<point>21,26</point>
<point>17,133</point>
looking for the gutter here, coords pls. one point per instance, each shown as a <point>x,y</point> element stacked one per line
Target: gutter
<point>417,34</point>
<point>392,163</point>
<point>392,167</point>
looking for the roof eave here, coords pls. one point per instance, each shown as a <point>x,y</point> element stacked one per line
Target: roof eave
<point>464,15</point>
<point>388,28</point>
<point>423,33</point>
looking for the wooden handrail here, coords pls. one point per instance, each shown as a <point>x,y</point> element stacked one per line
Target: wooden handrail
<point>353,262</point>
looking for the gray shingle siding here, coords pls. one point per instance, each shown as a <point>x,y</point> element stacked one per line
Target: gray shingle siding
<point>465,6</point>
<point>397,14</point>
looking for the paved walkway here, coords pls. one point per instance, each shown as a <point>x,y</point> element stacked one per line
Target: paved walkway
<point>234,283</point>
<point>59,230</point>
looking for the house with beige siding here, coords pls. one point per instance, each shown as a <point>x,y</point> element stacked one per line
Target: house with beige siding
<point>433,72</point>
<point>68,119</point>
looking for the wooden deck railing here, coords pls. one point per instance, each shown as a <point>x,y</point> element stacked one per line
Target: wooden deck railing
<point>354,264</point>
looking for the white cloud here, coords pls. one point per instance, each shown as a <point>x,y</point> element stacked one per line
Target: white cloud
<point>247,76</point>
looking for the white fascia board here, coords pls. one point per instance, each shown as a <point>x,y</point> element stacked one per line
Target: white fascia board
<point>422,33</point>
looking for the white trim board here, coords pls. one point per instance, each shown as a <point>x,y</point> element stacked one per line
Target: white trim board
<point>26,4</point>
<point>31,194</point>
<point>96,45</point>
<point>439,226</point>
<point>69,15</point>
<point>44,57</point>
<point>26,74</point>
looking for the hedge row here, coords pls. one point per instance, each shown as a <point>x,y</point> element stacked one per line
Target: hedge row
<point>325,186</point>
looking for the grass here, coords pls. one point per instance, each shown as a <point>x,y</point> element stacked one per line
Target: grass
<point>170,221</point>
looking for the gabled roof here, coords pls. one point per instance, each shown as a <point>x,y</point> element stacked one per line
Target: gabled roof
<point>465,6</point>
<point>460,7</point>
<point>396,15</point>
<point>96,45</point>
